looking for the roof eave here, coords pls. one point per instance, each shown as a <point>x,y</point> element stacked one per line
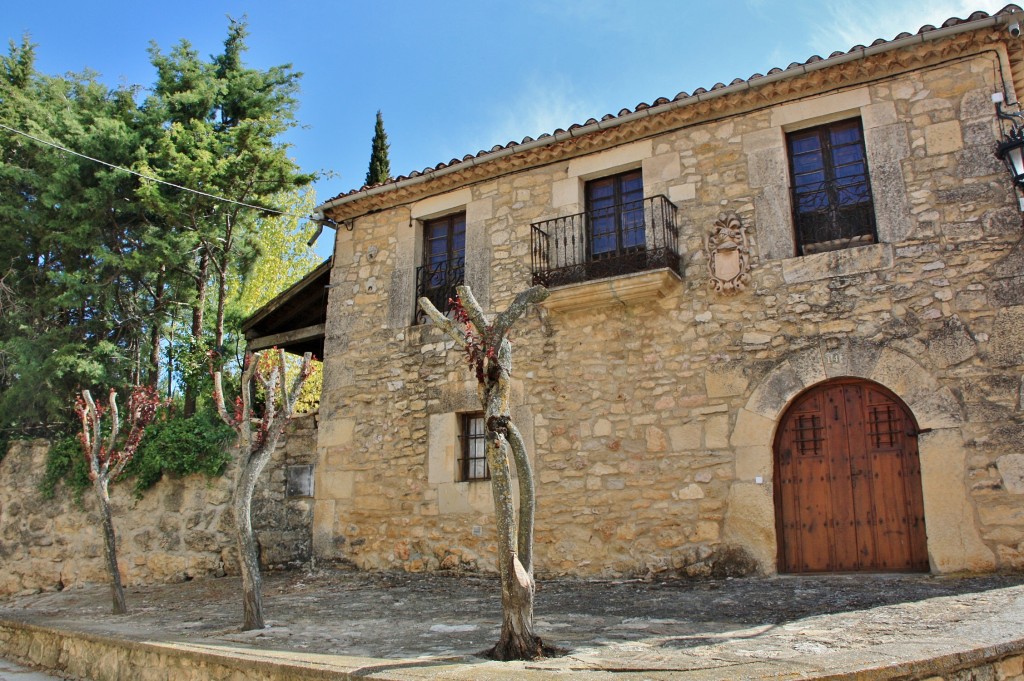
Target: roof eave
<point>751,83</point>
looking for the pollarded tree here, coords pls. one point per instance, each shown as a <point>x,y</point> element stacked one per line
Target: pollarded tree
<point>380,167</point>
<point>108,458</point>
<point>254,450</point>
<point>489,353</point>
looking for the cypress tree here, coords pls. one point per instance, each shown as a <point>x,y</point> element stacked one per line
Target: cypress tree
<point>380,166</point>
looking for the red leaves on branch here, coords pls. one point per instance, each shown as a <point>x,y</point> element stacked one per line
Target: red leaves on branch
<point>143,401</point>
<point>478,351</point>
<point>102,453</point>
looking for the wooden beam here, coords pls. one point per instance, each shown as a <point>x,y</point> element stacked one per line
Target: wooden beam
<point>285,337</point>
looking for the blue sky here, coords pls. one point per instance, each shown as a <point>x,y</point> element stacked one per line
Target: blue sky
<point>456,77</point>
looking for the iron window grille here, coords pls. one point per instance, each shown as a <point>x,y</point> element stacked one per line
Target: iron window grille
<point>444,262</point>
<point>473,456</point>
<point>832,203</point>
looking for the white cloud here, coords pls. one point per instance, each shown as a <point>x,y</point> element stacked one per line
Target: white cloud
<point>540,105</point>
<point>843,24</point>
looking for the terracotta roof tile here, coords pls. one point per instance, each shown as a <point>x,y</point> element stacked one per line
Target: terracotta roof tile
<point>952,21</point>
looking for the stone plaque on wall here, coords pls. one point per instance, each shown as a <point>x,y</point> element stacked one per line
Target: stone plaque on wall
<point>299,481</point>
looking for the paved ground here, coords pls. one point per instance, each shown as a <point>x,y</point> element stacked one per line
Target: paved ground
<point>719,629</point>
<point>12,672</point>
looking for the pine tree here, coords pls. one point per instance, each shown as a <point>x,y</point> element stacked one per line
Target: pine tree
<point>380,166</point>
<point>222,123</point>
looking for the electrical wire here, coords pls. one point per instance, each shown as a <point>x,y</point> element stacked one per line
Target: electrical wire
<point>164,182</point>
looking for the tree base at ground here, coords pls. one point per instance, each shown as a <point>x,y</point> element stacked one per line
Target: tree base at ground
<point>520,649</point>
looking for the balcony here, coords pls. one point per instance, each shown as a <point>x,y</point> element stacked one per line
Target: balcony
<point>437,283</point>
<point>625,239</point>
<point>834,214</point>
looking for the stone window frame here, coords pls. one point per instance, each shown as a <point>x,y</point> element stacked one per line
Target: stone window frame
<point>453,495</point>
<point>886,145</point>
<point>439,294</point>
<point>842,231</point>
<point>568,195</point>
<point>407,231</point>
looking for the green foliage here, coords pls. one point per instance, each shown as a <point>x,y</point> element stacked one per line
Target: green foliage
<point>309,396</point>
<point>181,446</point>
<point>177,446</point>
<point>220,124</point>
<point>99,268</point>
<point>380,166</point>
<point>72,258</point>
<point>283,258</point>
<point>65,461</point>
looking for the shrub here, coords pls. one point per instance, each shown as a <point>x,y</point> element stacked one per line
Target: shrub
<point>65,461</point>
<point>181,446</point>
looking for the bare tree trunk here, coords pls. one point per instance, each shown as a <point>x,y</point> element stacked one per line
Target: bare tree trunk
<point>110,547</point>
<point>106,462</point>
<point>222,296</point>
<point>222,283</point>
<point>248,552</point>
<point>255,450</point>
<point>517,640</point>
<point>491,353</point>
<point>198,311</point>
<point>155,332</point>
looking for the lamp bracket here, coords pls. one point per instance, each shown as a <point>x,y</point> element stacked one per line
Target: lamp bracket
<point>1013,116</point>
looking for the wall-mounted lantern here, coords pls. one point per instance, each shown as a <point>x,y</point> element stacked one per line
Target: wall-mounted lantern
<point>1011,148</point>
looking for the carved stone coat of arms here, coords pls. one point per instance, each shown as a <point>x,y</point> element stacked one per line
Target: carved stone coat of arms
<point>728,255</point>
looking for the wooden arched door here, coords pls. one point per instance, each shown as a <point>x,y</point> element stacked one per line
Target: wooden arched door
<point>848,482</point>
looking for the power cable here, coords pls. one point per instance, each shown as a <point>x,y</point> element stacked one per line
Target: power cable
<point>320,221</point>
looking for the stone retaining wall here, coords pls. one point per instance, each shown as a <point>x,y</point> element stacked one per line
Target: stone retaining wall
<point>101,658</point>
<point>180,529</point>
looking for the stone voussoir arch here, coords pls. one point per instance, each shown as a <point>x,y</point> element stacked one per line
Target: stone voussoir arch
<point>954,543</point>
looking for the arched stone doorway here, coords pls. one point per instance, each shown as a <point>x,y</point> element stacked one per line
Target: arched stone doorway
<point>954,542</point>
<point>847,482</point>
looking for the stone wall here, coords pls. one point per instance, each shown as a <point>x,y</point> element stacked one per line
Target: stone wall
<point>650,421</point>
<point>180,529</point>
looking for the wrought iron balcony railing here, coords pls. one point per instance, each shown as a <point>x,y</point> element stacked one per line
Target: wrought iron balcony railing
<point>623,239</point>
<point>437,283</point>
<point>834,214</point>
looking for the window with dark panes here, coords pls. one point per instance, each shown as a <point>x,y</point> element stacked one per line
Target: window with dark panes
<point>444,261</point>
<point>615,215</point>
<point>473,457</point>
<point>832,205</point>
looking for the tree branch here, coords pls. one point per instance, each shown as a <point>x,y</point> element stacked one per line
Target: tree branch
<point>527,496</point>
<point>218,399</point>
<point>304,373</point>
<point>285,397</point>
<point>443,322</point>
<point>90,433</point>
<point>514,311</point>
<point>244,428</point>
<point>472,307</point>
<point>115,422</point>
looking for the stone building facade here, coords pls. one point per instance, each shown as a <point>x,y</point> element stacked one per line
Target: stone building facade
<point>785,335</point>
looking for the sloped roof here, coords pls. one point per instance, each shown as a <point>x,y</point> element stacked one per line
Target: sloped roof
<point>294,319</point>
<point>926,32</point>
